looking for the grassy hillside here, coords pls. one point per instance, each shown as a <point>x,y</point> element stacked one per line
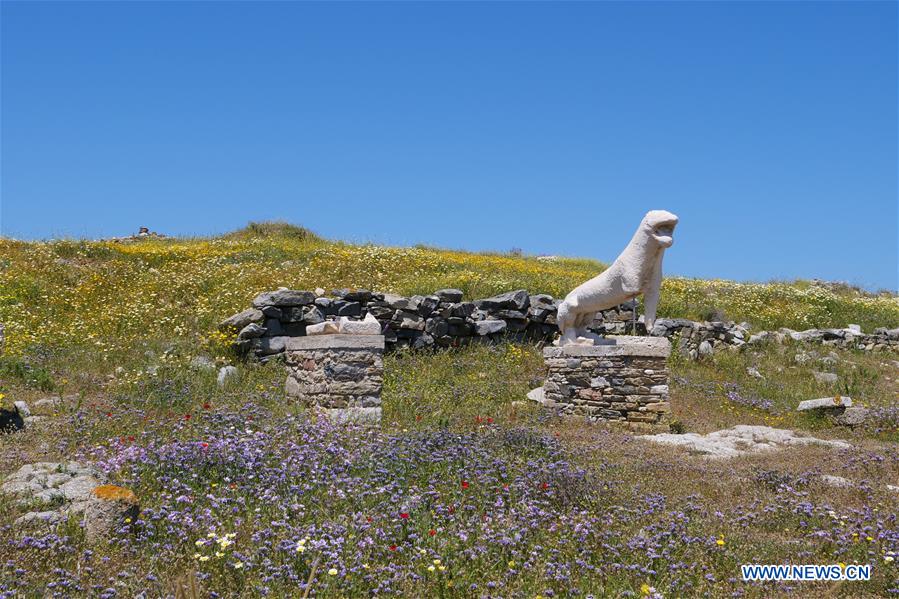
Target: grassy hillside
<point>66,293</point>
<point>465,490</point>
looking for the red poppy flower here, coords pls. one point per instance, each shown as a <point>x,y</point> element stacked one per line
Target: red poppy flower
<point>207,405</point>
<point>130,439</point>
<point>452,509</point>
<point>369,519</point>
<point>204,444</point>
<point>109,414</point>
<point>489,420</point>
<point>432,532</point>
<point>545,486</point>
<point>187,416</point>
<point>464,484</point>
<point>392,548</point>
<point>477,419</point>
<point>404,516</point>
<point>418,418</point>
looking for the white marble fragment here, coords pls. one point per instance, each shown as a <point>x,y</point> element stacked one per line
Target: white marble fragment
<point>740,440</point>
<point>838,401</point>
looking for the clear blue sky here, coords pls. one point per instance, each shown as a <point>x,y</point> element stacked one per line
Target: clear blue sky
<point>770,128</point>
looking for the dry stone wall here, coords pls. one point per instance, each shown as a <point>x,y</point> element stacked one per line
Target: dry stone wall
<point>443,319</point>
<point>446,319</point>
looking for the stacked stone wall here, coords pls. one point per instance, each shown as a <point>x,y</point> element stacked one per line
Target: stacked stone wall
<point>446,319</point>
<point>624,382</point>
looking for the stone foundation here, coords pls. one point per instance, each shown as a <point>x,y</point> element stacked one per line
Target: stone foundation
<point>340,373</point>
<point>621,380</point>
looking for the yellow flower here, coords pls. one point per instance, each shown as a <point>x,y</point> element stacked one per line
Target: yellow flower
<point>511,563</point>
<point>720,542</point>
<point>127,520</point>
<point>869,539</point>
<point>441,568</point>
<point>332,572</point>
<point>204,558</point>
<point>238,565</point>
<point>431,568</point>
<point>199,542</point>
<point>436,562</point>
<point>645,589</point>
<point>888,558</point>
<point>196,556</point>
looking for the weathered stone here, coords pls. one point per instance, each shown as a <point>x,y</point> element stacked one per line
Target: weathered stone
<point>740,440</point>
<point>345,308</point>
<point>225,373</point>
<point>398,302</point>
<point>825,403</point>
<point>272,312</point>
<point>449,295</point>
<point>852,417</point>
<point>512,300</point>
<point>358,295</point>
<point>409,320</point>
<point>537,395</point>
<point>251,331</point>
<point>368,326</point>
<point>109,507</point>
<point>462,309</point>
<point>836,481</point>
<point>328,327</point>
<point>79,487</point>
<point>284,297</point>
<point>242,319</point>
<point>489,327</point>
<point>427,305</point>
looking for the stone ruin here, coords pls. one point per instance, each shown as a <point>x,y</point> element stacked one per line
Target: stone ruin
<point>338,374</point>
<point>442,319</point>
<point>445,319</point>
<point>620,380</point>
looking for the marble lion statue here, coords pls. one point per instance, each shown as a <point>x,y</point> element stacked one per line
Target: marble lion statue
<point>638,270</point>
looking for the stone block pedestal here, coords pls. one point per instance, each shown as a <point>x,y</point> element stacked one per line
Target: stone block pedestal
<point>622,380</point>
<point>342,374</point>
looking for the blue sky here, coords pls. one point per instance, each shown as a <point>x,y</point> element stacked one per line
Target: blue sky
<point>770,128</point>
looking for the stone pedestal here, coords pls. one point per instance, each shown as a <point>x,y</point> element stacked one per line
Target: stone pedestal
<point>342,374</point>
<point>622,380</point>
